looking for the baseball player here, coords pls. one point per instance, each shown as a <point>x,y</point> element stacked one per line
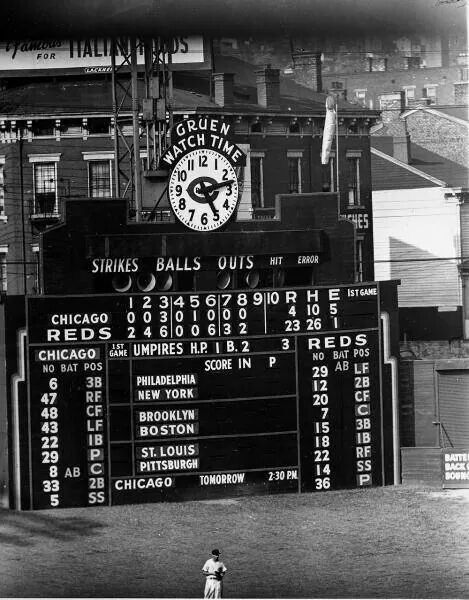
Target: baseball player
<point>214,571</point>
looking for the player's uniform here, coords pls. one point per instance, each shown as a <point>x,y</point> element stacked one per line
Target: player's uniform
<point>214,571</point>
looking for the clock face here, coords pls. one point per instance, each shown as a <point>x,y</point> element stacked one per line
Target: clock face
<point>203,190</point>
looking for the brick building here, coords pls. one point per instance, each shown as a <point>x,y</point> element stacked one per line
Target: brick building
<point>57,142</point>
<point>430,68</point>
<point>440,129</point>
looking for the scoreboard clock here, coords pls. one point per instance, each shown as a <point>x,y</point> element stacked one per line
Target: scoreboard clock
<point>203,189</point>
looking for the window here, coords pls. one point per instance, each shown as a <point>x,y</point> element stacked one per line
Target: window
<point>409,93</point>
<point>3,268</point>
<point>429,91</point>
<point>45,188</point>
<point>45,193</point>
<point>2,186</point>
<point>99,173</point>
<point>99,179</point>
<point>329,174</point>
<point>36,286</point>
<point>72,127</point>
<point>44,127</point>
<point>294,127</point>
<point>377,64</point>
<point>360,95</point>
<point>359,259</point>
<point>98,126</point>
<point>294,172</point>
<point>257,179</point>
<point>256,127</point>
<point>353,179</point>
<point>412,62</point>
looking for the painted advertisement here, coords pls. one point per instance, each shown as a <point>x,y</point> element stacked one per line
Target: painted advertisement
<point>90,55</point>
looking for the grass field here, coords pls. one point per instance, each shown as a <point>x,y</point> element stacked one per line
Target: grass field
<point>382,543</point>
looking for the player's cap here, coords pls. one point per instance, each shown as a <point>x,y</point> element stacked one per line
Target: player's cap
<point>216,552</point>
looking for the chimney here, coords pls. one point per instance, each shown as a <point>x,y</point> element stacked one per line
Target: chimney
<point>445,51</point>
<point>461,92</point>
<point>461,87</point>
<point>308,69</point>
<point>392,105</point>
<point>401,146</point>
<point>268,87</point>
<point>224,88</point>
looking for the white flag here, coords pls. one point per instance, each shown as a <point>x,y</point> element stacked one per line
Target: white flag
<point>329,129</point>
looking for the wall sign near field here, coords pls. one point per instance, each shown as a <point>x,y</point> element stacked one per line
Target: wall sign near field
<point>171,396</point>
<point>455,463</point>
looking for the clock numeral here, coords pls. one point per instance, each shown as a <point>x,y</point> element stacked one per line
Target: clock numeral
<point>202,161</point>
<point>226,204</point>
<point>190,164</point>
<point>182,175</point>
<point>182,204</point>
<point>192,213</point>
<point>229,190</point>
<point>216,216</point>
<point>216,164</point>
<point>204,219</point>
<point>178,190</point>
<point>225,175</point>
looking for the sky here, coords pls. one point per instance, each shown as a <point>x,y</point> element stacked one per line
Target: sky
<point>63,18</point>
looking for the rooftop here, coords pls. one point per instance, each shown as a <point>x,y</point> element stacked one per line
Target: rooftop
<point>75,95</point>
<point>458,113</point>
<point>389,173</point>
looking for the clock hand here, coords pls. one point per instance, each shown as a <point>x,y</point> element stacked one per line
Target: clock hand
<point>208,199</point>
<point>216,186</point>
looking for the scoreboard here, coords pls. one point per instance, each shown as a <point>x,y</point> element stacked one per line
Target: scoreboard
<point>145,397</point>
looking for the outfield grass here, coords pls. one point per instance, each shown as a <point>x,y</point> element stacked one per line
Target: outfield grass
<point>381,543</point>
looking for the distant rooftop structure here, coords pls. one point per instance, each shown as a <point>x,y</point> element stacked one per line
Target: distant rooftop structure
<point>426,169</point>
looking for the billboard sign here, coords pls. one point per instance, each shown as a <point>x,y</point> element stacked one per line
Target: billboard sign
<point>90,55</point>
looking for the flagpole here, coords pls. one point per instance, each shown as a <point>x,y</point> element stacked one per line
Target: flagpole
<point>337,155</point>
<point>331,122</point>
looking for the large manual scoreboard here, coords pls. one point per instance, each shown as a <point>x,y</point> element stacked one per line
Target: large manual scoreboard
<point>134,395</point>
<point>170,396</point>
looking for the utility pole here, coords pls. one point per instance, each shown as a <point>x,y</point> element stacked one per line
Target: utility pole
<point>149,109</point>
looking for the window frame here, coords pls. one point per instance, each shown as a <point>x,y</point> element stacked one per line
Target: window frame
<point>40,160</point>
<point>407,89</point>
<point>360,94</point>
<point>330,168</point>
<point>3,216</point>
<point>92,162</point>
<point>355,156</point>
<point>100,156</point>
<point>261,157</point>
<point>297,155</point>
<point>359,270</point>
<point>432,97</point>
<point>3,269</point>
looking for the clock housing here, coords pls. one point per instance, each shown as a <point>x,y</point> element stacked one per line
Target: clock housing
<point>203,189</point>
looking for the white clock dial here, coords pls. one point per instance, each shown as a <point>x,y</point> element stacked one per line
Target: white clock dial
<point>203,189</point>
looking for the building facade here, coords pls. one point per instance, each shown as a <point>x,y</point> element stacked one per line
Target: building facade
<point>57,142</point>
<point>420,215</point>
<point>430,69</point>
